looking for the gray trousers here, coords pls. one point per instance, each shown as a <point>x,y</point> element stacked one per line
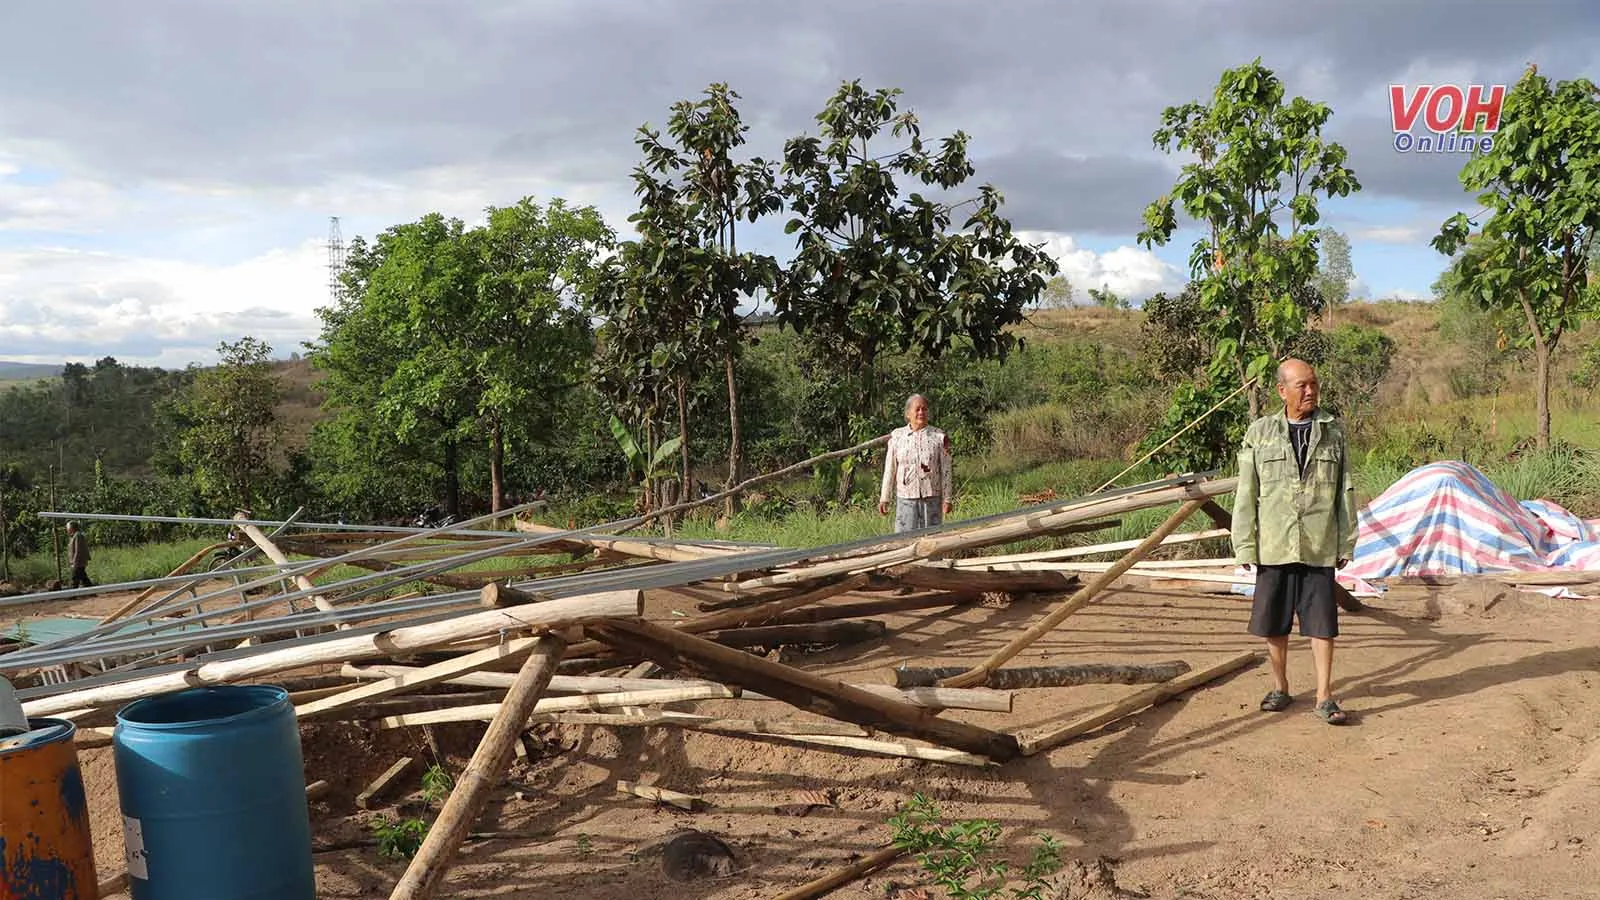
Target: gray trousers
<point>922,512</point>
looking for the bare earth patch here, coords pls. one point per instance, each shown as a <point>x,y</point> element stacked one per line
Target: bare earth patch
<point>1469,770</point>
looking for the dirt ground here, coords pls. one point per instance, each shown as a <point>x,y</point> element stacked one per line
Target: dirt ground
<point>1469,769</point>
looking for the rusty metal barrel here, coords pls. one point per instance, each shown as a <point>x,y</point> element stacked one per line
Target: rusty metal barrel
<point>46,848</point>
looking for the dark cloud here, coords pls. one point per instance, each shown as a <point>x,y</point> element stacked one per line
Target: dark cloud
<point>1047,191</point>
<point>304,94</point>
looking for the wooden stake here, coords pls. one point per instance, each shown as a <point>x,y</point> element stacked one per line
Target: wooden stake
<point>979,674</point>
<point>489,763</point>
<point>859,869</point>
<point>803,690</point>
<point>1046,739</point>
<point>662,795</point>
<point>381,783</point>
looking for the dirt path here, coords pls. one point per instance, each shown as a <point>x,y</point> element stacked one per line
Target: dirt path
<point>1470,770</point>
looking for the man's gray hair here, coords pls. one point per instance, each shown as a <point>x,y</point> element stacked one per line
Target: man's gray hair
<point>912,399</point>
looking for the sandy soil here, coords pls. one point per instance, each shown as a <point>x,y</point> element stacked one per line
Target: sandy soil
<point>1469,770</point>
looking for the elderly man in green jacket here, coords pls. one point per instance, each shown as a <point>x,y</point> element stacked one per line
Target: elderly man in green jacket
<point>1294,521</point>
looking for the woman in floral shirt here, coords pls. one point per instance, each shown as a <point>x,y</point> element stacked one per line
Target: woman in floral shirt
<point>917,467</point>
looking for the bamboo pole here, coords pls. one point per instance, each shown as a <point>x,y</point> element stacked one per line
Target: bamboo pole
<point>418,678</point>
<point>666,718</point>
<point>278,556</point>
<point>1089,550</point>
<point>481,711</point>
<point>548,615</point>
<point>1046,739</point>
<point>145,594</point>
<point>489,761</point>
<point>890,748</point>
<point>920,695</point>
<point>1013,529</point>
<point>980,673</point>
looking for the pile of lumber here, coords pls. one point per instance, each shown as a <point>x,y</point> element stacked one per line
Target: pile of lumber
<point>538,639</point>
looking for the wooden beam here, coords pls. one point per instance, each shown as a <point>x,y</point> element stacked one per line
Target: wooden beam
<point>980,673</point>
<point>427,870</point>
<point>1046,676</point>
<point>1045,739</point>
<point>844,632</point>
<point>382,783</point>
<point>803,690</point>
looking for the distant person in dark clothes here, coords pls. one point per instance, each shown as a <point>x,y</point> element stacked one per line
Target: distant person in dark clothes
<point>1294,520</point>
<point>78,556</point>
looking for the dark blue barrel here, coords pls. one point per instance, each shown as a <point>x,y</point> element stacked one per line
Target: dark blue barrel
<point>214,796</point>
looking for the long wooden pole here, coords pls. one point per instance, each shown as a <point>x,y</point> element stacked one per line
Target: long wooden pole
<point>1045,739</point>
<point>549,614</point>
<point>801,689</point>
<point>489,761</point>
<point>980,673</point>
<point>278,556</point>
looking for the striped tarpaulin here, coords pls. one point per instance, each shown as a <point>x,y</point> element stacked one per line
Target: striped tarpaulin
<point>1449,518</point>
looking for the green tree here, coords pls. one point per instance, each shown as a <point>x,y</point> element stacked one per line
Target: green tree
<point>231,413</point>
<point>1107,299</point>
<point>1358,360</point>
<point>1540,184</point>
<point>680,289</point>
<point>1261,164</point>
<point>878,266</point>
<point>1334,271</point>
<point>1058,293</point>
<point>447,336</point>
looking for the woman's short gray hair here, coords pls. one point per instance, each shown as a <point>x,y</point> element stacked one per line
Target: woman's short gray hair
<point>913,399</point>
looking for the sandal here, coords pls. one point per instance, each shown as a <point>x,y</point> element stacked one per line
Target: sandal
<point>1276,701</point>
<point>1330,712</point>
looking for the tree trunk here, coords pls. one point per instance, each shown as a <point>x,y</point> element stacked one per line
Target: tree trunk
<point>865,395</point>
<point>497,462</point>
<point>1541,355</point>
<point>452,479</point>
<point>1541,352</point>
<point>735,438</point>
<point>683,438</point>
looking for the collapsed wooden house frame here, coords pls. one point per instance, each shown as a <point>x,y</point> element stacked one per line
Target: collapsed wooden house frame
<point>568,642</point>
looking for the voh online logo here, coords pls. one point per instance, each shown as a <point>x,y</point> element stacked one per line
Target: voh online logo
<point>1455,119</point>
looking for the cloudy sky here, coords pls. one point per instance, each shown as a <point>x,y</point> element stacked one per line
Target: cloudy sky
<point>168,168</point>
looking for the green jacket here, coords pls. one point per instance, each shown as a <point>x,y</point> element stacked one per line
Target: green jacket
<point>1280,517</point>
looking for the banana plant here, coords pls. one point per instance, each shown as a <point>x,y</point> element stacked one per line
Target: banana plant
<point>652,468</point>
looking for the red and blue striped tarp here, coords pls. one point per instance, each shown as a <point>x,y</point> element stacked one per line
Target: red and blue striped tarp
<point>1448,518</point>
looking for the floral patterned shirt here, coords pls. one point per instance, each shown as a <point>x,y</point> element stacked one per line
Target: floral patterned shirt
<point>916,465</point>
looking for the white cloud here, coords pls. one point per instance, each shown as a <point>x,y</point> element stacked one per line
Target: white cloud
<point>1129,272</point>
<point>1390,234</point>
<point>59,304</point>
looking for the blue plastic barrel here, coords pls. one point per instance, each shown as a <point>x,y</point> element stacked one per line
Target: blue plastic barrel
<point>214,796</point>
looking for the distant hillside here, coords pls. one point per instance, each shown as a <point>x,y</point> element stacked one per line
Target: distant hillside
<point>20,371</point>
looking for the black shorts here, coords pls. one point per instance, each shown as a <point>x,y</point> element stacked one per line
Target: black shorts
<point>1284,593</point>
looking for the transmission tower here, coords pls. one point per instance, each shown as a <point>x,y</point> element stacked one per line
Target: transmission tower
<point>335,262</point>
